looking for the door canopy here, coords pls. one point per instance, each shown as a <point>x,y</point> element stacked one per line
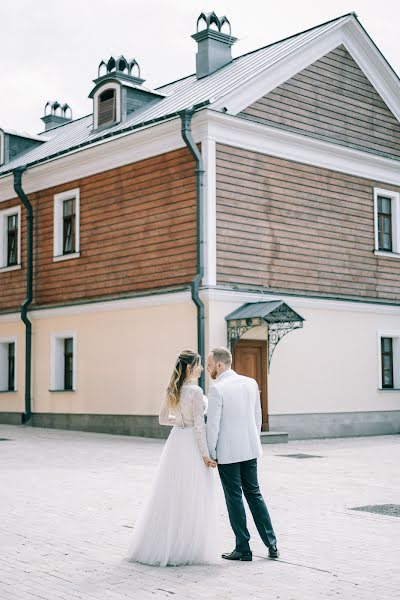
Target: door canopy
<point>280,318</point>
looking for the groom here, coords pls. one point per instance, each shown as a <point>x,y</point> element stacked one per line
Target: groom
<point>233,437</point>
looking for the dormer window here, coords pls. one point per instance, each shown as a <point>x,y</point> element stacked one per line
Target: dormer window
<point>107,107</point>
<point>118,92</point>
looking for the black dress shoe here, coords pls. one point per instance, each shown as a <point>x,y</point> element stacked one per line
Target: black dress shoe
<point>273,552</point>
<point>235,555</point>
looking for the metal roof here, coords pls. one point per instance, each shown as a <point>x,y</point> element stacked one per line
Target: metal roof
<point>180,95</point>
<point>272,312</point>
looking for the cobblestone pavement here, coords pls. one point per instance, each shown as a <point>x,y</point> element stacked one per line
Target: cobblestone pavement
<point>69,500</point>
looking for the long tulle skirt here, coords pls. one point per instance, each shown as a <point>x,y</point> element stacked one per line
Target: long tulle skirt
<point>179,523</point>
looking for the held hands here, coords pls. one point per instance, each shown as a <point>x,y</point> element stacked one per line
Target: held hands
<point>209,462</point>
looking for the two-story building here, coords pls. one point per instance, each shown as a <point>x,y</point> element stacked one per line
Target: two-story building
<point>254,203</point>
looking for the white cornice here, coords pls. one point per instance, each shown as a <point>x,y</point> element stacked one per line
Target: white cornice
<point>126,148</point>
<point>299,302</point>
<point>242,133</point>
<point>211,294</point>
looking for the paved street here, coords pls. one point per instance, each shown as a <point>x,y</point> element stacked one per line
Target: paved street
<point>69,501</point>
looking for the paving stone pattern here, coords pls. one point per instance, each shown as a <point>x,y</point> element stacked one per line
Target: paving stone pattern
<point>69,501</point>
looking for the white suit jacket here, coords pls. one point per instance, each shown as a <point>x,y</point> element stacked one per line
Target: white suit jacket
<point>234,419</point>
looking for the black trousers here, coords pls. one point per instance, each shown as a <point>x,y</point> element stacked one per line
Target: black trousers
<point>238,478</point>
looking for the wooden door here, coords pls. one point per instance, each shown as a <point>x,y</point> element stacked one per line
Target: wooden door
<point>250,359</point>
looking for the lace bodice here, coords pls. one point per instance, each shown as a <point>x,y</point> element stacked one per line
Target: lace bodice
<point>189,413</point>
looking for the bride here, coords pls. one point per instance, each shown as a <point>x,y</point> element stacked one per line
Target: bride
<point>178,525</point>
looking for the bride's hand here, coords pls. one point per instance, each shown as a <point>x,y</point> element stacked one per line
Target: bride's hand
<point>209,462</point>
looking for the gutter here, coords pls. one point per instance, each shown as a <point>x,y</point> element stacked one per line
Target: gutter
<point>186,118</point>
<point>26,417</point>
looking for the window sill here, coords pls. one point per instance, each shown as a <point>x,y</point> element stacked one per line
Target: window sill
<point>388,389</point>
<point>66,256</point>
<point>63,391</point>
<point>386,254</point>
<point>8,391</point>
<point>13,268</point>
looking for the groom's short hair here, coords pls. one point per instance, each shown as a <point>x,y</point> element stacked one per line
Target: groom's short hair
<point>222,354</point>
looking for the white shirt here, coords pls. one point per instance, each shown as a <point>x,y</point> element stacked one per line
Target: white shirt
<point>234,419</point>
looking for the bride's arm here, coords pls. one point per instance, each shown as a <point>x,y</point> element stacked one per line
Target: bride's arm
<point>164,418</point>
<point>199,423</point>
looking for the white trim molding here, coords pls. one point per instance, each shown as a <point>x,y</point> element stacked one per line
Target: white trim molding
<point>57,383</point>
<point>4,341</point>
<point>242,133</point>
<point>395,335</point>
<point>210,217</point>
<point>395,218</point>
<point>4,214</point>
<point>126,148</point>
<point>59,199</point>
<point>2,147</point>
<point>241,297</point>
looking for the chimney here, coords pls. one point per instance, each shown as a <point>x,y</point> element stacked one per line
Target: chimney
<point>214,46</point>
<point>56,114</point>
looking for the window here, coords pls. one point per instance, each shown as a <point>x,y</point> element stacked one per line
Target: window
<point>10,238</point>
<point>69,226</point>
<point>63,359</point>
<point>66,225</point>
<point>8,364</point>
<point>387,223</point>
<point>68,362</point>
<point>389,361</point>
<point>107,107</point>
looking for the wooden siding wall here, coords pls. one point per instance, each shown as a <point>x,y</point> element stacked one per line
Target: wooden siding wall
<point>137,232</point>
<point>298,228</point>
<point>334,101</point>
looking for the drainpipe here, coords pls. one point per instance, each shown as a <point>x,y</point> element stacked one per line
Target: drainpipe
<point>26,417</point>
<point>186,117</point>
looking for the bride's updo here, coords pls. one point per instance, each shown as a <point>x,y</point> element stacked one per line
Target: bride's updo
<point>187,358</point>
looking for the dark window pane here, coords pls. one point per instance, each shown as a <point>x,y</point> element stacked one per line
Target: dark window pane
<point>69,226</point>
<point>107,107</point>
<point>11,366</point>
<point>68,363</point>
<point>387,362</point>
<point>12,240</point>
<point>385,224</point>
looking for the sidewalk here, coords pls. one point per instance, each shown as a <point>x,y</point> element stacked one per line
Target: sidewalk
<point>69,500</point>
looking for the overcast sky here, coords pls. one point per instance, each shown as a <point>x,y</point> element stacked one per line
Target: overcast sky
<point>50,50</point>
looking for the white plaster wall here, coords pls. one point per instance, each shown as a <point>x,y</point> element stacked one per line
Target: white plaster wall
<point>331,365</point>
<point>124,358</point>
<point>15,401</point>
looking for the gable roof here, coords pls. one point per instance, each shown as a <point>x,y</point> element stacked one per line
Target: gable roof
<point>185,93</point>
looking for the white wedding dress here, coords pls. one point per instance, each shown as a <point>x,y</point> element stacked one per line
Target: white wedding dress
<point>178,525</point>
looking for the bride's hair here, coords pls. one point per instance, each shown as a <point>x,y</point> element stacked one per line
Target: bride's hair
<point>187,358</point>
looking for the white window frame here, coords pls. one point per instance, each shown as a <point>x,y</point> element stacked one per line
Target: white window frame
<point>395,198</point>
<point>103,88</point>
<point>4,364</point>
<point>57,383</point>
<point>4,214</point>
<point>58,224</point>
<point>396,360</point>
<point>2,147</point>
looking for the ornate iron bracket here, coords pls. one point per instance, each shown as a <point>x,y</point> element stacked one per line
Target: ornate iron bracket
<point>280,320</point>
